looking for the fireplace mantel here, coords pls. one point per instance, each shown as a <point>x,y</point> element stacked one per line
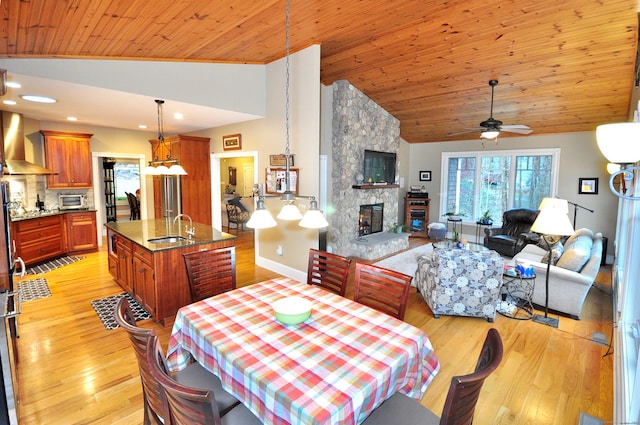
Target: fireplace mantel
<point>374,186</point>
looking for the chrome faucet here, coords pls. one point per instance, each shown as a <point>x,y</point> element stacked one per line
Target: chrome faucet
<point>190,230</point>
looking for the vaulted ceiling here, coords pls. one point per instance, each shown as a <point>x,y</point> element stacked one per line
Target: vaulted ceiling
<point>562,66</point>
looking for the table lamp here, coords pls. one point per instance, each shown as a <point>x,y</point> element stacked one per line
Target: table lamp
<point>552,220</point>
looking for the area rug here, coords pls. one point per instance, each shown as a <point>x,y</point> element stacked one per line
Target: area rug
<point>33,289</point>
<point>406,262</point>
<point>52,265</point>
<point>105,308</point>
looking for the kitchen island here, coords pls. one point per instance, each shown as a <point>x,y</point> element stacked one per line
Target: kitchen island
<point>145,258</point>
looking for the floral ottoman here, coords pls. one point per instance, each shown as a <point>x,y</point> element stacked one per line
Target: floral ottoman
<point>459,282</point>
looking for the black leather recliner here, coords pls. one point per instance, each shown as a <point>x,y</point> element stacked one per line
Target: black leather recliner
<point>514,234</point>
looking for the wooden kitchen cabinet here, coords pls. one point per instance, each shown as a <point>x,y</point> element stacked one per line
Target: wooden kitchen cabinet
<point>144,286</point>
<point>69,155</point>
<point>82,232</point>
<point>39,239</point>
<point>194,154</point>
<point>124,270</point>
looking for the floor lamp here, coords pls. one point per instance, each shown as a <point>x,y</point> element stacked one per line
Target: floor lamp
<point>552,220</point>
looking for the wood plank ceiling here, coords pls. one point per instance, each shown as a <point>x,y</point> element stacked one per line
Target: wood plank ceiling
<point>563,66</point>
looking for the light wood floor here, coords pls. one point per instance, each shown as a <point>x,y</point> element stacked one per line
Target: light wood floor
<point>73,371</point>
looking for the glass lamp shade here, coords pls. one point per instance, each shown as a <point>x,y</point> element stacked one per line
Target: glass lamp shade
<point>313,219</point>
<point>619,142</point>
<point>177,170</point>
<point>261,219</point>
<point>150,170</point>
<point>162,169</point>
<point>489,134</point>
<point>613,168</point>
<point>552,218</point>
<point>289,212</point>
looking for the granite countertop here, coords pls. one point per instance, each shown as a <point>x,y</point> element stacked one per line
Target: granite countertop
<point>29,215</point>
<point>141,231</point>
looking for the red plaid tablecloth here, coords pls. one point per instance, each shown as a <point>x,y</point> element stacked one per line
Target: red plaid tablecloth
<point>334,368</point>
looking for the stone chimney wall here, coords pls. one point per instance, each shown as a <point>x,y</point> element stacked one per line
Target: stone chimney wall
<point>358,124</point>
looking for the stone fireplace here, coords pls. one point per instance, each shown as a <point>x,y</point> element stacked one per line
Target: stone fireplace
<point>370,219</point>
<point>358,124</point>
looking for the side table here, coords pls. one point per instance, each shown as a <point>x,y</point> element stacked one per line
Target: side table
<point>479,226</point>
<point>516,295</point>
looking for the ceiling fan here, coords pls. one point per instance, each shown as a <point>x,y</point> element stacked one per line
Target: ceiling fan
<point>492,127</point>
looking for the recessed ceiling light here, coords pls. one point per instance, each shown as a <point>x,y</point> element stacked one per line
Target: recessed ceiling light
<point>13,84</point>
<point>72,118</point>
<point>142,126</point>
<point>178,116</point>
<point>39,99</point>
<point>9,102</point>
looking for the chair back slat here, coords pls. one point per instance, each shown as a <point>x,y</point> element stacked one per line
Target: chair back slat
<point>211,272</point>
<point>187,405</point>
<point>464,391</point>
<point>329,271</point>
<point>156,407</point>
<point>383,289</point>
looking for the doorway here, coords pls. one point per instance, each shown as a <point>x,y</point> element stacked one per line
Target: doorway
<point>132,164</point>
<point>225,167</point>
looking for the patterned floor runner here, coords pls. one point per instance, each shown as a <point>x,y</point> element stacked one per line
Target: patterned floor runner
<point>105,307</point>
<point>33,289</point>
<point>52,265</point>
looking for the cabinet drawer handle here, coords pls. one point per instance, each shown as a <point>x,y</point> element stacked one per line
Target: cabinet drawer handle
<point>141,271</point>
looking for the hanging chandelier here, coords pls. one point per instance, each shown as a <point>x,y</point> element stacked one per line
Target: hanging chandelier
<point>313,217</point>
<point>168,165</point>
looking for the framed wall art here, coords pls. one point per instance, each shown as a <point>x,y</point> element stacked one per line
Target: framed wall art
<point>425,176</point>
<point>588,185</point>
<point>276,181</point>
<point>280,160</point>
<point>231,142</point>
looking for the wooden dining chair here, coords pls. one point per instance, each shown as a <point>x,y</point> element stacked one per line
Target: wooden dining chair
<point>329,271</point>
<point>383,289</point>
<point>211,272</point>
<point>155,403</point>
<point>461,400</point>
<point>190,405</point>
<point>134,206</point>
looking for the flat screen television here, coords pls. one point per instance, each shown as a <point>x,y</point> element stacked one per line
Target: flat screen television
<point>379,167</point>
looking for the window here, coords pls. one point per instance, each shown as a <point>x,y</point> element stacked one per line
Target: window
<point>127,176</point>
<point>474,182</point>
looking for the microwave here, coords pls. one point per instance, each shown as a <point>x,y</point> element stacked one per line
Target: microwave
<point>72,202</point>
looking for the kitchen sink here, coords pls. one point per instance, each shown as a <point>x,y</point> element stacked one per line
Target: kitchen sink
<point>168,239</point>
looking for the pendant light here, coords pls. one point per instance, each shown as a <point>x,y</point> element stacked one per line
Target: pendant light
<point>313,217</point>
<point>159,167</point>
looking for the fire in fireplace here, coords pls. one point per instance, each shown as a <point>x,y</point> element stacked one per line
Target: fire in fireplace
<point>370,219</point>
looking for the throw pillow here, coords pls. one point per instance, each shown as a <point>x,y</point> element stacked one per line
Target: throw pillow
<point>556,253</point>
<point>578,233</point>
<point>577,255</point>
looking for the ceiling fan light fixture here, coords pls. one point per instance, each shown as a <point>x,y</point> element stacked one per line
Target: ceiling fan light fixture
<point>489,134</point>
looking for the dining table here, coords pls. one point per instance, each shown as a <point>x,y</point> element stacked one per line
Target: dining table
<point>334,368</point>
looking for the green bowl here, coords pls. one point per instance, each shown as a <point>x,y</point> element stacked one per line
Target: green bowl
<point>292,310</point>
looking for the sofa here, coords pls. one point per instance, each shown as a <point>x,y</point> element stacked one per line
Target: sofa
<point>460,282</point>
<point>571,277</point>
<point>514,234</point>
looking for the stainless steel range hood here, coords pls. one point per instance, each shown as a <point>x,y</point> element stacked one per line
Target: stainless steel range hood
<point>12,147</point>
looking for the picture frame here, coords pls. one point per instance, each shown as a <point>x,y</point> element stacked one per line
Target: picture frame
<point>588,185</point>
<point>281,160</point>
<point>232,142</point>
<point>275,180</point>
<point>425,176</point>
